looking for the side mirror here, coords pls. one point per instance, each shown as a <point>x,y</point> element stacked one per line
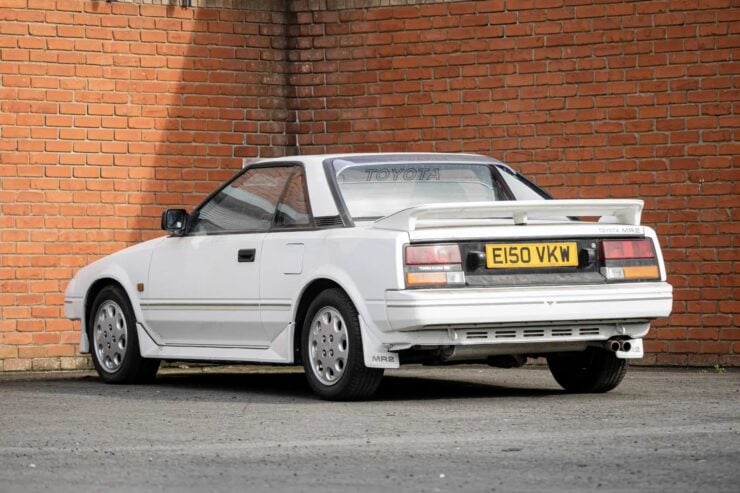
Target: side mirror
<point>175,221</point>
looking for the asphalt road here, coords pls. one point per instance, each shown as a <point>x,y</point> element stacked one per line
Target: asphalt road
<point>442,429</point>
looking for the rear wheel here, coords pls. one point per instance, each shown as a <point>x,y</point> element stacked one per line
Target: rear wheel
<point>114,344</point>
<point>332,350</point>
<point>591,371</point>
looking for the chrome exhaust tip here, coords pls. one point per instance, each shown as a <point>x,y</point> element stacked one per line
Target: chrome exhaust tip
<point>626,346</point>
<point>614,346</point>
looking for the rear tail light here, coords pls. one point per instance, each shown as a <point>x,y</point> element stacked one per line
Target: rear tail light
<point>629,260</point>
<point>433,266</point>
<point>432,254</point>
<point>627,249</point>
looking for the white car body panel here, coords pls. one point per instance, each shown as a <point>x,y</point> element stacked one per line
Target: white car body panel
<point>322,202</point>
<point>280,351</point>
<point>199,303</point>
<point>419,309</point>
<point>127,268</point>
<point>216,302</point>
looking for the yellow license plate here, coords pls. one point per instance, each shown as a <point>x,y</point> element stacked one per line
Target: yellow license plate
<point>523,255</point>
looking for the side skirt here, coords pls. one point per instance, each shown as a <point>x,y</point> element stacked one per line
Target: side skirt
<point>280,351</point>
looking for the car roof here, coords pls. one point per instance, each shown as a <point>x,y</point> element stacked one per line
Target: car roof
<point>317,159</point>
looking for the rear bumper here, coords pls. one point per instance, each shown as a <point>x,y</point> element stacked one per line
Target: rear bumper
<point>435,309</point>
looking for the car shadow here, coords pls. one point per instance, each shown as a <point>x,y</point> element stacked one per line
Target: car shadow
<point>398,388</point>
<point>268,386</point>
<point>392,388</point>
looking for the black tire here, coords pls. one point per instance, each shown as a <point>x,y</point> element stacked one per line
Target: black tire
<point>132,368</point>
<point>356,381</point>
<point>591,371</point>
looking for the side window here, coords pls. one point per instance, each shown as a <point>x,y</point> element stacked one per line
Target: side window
<point>292,212</point>
<point>246,205</point>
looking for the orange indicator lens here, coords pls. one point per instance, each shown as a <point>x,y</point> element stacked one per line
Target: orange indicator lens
<point>642,272</point>
<point>426,278</point>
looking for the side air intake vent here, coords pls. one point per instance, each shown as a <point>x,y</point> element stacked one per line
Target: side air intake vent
<point>328,221</point>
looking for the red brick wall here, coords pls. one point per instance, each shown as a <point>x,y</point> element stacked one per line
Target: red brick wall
<point>592,99</point>
<point>111,112</point>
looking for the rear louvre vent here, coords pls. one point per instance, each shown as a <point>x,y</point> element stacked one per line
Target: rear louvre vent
<point>529,332</point>
<point>534,333</point>
<point>328,221</point>
<point>562,332</point>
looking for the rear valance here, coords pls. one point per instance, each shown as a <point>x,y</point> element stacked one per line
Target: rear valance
<point>621,211</point>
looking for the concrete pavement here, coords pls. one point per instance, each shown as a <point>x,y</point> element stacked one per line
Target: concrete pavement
<point>429,429</point>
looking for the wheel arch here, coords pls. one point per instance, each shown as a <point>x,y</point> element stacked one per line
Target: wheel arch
<point>310,292</point>
<point>92,291</point>
<point>132,368</point>
<point>95,288</point>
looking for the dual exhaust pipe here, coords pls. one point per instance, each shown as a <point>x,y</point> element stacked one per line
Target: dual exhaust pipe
<point>615,345</point>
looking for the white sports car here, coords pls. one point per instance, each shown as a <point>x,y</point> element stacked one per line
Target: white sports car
<point>350,264</point>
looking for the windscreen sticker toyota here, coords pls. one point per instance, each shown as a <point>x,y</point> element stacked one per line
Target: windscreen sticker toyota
<point>402,174</point>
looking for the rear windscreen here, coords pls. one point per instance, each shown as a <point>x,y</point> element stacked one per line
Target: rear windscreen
<point>376,190</point>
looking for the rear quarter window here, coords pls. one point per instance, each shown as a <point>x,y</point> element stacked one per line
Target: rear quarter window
<point>521,189</point>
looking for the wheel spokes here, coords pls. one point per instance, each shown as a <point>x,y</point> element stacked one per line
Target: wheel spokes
<point>110,336</point>
<point>328,345</point>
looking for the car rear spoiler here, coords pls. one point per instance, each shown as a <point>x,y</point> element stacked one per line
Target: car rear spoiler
<point>621,211</point>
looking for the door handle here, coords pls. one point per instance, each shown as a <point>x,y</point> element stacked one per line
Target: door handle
<point>246,255</point>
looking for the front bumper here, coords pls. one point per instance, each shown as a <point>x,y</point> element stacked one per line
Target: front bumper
<point>74,309</point>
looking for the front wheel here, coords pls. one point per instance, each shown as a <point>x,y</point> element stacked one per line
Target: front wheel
<point>114,343</point>
<point>591,371</point>
<point>332,350</point>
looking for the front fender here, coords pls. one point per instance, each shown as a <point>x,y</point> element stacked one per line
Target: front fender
<point>126,268</point>
<point>76,306</point>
